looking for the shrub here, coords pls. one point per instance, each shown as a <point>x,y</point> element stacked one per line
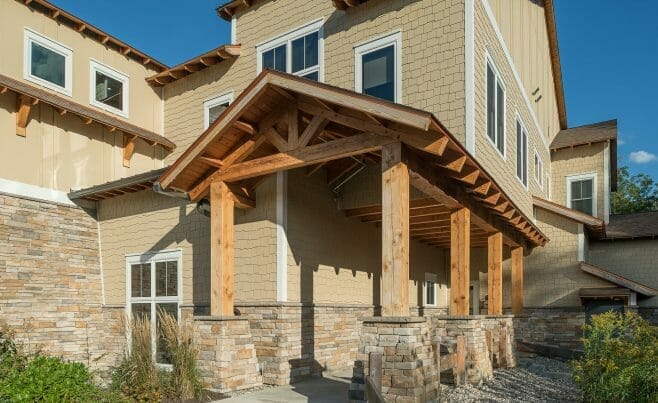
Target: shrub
<point>137,376</point>
<point>620,361</point>
<point>184,380</point>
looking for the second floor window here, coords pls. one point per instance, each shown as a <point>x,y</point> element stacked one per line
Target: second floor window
<point>539,170</point>
<point>495,108</point>
<point>298,52</point>
<point>378,68</point>
<point>521,153</point>
<point>48,63</point>
<point>214,107</point>
<point>109,89</point>
<point>580,193</point>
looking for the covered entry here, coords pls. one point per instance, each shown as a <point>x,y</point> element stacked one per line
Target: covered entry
<point>281,122</point>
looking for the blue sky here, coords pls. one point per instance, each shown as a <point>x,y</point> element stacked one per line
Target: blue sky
<point>608,49</point>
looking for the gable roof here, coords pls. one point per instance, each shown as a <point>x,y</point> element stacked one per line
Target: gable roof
<point>65,18</point>
<point>616,279</point>
<point>595,225</point>
<point>633,225</point>
<point>586,134</point>
<point>197,63</point>
<point>347,123</point>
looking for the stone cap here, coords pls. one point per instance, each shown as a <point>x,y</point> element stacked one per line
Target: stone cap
<point>394,319</point>
<point>459,317</point>
<point>219,318</point>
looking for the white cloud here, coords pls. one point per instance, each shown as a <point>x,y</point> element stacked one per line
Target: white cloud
<point>620,141</point>
<point>642,157</point>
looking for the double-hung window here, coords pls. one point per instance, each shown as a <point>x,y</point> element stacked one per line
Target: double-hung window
<point>378,68</point>
<point>214,107</point>
<point>539,170</point>
<point>108,89</point>
<point>581,191</point>
<point>495,107</point>
<point>298,52</point>
<point>48,63</point>
<point>521,153</point>
<point>430,289</point>
<point>153,284</point>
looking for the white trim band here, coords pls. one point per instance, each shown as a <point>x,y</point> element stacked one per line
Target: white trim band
<point>281,237</point>
<point>38,193</point>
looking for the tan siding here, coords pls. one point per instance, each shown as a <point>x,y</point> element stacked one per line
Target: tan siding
<point>576,161</point>
<point>145,221</point>
<point>523,26</point>
<point>334,259</point>
<point>60,152</point>
<point>633,259</point>
<point>503,169</point>
<point>432,56</point>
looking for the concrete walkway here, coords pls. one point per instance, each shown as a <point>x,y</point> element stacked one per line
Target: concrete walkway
<point>328,389</point>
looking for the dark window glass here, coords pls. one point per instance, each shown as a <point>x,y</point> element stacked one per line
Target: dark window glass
<point>429,290</point>
<point>500,119</point>
<point>297,55</point>
<point>109,91</point>
<point>519,153</point>
<point>524,150</point>
<point>275,59</point>
<point>312,76</point>
<point>48,65</point>
<point>140,280</point>
<point>215,111</point>
<point>582,196</point>
<point>161,354</point>
<point>140,311</point>
<point>305,53</point>
<point>491,104</point>
<point>166,279</point>
<point>378,73</point>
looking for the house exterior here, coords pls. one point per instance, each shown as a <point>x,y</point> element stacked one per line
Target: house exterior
<point>454,188</point>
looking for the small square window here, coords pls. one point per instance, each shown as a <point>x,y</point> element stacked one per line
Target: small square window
<point>108,89</point>
<point>580,193</point>
<point>47,62</point>
<point>214,107</point>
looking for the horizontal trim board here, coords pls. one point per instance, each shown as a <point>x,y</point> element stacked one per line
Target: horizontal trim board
<point>37,193</point>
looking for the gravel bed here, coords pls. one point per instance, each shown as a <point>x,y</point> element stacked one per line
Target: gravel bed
<point>536,379</point>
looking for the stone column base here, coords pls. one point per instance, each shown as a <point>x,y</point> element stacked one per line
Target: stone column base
<point>227,356</point>
<point>409,372</point>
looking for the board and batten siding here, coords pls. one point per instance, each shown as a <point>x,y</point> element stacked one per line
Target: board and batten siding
<point>60,152</point>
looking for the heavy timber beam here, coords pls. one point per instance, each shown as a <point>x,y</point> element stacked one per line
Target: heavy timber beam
<point>495,273</point>
<point>460,257</point>
<point>395,232</point>
<point>453,196</point>
<point>517,281</point>
<point>221,250</point>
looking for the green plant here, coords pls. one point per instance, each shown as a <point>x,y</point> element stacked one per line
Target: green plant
<point>137,376</point>
<point>12,357</point>
<point>620,360</point>
<point>184,381</point>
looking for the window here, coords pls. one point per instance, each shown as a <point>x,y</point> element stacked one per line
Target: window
<point>430,289</point>
<point>108,89</point>
<point>521,153</point>
<point>539,170</point>
<point>581,190</point>
<point>298,52</point>
<point>378,68</point>
<point>214,107</point>
<point>47,62</point>
<point>153,283</point>
<point>495,108</point>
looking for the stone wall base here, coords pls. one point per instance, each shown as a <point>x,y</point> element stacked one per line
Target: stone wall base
<point>558,329</point>
<point>227,355</point>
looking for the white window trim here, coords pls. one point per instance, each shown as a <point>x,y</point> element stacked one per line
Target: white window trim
<point>539,176</point>
<point>152,257</point>
<point>434,279</point>
<point>524,129</point>
<point>488,60</point>
<point>96,66</point>
<point>287,38</point>
<point>31,36</point>
<point>579,177</point>
<point>226,97</point>
<point>393,38</point>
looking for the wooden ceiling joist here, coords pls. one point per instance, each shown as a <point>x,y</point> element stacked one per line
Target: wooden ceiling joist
<point>28,96</point>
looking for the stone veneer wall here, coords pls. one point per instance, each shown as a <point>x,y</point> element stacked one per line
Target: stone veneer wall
<point>294,340</point>
<point>559,329</point>
<point>50,282</point>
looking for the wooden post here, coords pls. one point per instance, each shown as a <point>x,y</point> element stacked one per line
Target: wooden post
<point>221,250</point>
<point>460,265</point>
<point>495,273</point>
<point>517,280</point>
<point>395,232</point>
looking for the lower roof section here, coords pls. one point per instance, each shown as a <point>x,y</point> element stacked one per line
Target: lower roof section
<point>131,184</point>
<point>618,280</point>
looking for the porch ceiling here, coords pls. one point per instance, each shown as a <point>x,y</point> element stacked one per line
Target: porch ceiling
<point>283,122</point>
